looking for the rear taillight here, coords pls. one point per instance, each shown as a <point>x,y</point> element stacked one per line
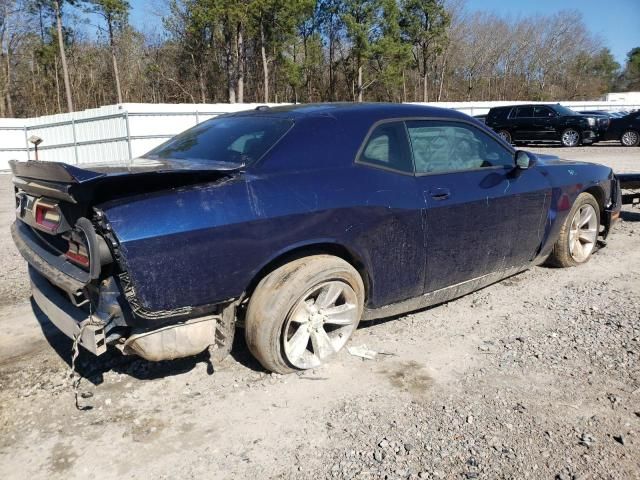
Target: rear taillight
<point>47,216</point>
<point>77,253</point>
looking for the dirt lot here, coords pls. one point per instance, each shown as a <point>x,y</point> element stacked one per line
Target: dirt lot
<point>534,377</point>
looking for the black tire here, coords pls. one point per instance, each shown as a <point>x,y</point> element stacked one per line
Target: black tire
<point>279,292</point>
<point>630,138</point>
<point>570,137</point>
<point>505,135</point>
<point>561,254</point>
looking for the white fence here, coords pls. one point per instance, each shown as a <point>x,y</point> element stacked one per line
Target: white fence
<point>121,132</point>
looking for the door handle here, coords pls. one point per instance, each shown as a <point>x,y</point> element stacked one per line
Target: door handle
<point>439,193</point>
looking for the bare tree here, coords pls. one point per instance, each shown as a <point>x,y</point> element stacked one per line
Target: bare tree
<point>57,6</point>
<point>115,14</point>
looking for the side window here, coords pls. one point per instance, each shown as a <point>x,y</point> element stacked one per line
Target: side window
<point>451,146</point>
<point>544,112</point>
<point>524,112</point>
<point>387,147</point>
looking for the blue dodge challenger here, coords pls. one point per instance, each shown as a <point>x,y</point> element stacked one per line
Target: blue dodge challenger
<point>295,223</point>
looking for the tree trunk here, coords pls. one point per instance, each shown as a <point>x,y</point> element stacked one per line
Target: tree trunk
<point>63,55</point>
<point>359,85</point>
<point>444,67</point>
<point>425,88</point>
<point>331,72</point>
<point>265,65</point>
<point>201,83</point>
<point>8,94</point>
<point>112,45</point>
<point>306,67</point>
<point>404,87</point>
<point>240,65</point>
<point>231,61</point>
<point>57,84</point>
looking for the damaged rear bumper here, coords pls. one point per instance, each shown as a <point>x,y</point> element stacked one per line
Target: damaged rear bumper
<point>165,343</point>
<point>67,317</point>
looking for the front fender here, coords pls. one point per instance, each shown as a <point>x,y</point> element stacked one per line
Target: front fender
<point>568,180</point>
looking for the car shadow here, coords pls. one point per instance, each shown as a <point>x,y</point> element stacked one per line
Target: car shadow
<point>240,353</point>
<point>628,216</point>
<point>93,368</point>
<point>601,144</point>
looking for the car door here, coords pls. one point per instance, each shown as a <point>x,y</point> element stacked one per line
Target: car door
<point>523,128</point>
<point>390,227</point>
<point>544,123</point>
<point>475,200</point>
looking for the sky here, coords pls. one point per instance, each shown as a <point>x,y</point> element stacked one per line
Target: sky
<point>617,22</point>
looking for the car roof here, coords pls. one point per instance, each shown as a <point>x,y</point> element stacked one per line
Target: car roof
<point>374,111</point>
<point>527,105</point>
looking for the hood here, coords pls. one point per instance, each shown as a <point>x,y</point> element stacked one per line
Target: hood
<point>545,159</point>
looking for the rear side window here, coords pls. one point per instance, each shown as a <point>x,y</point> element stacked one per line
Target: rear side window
<point>449,146</point>
<point>237,140</point>
<point>543,112</point>
<point>498,113</point>
<point>524,112</point>
<point>387,147</point>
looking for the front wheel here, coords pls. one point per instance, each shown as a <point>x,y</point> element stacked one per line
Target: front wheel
<point>570,137</point>
<point>630,138</point>
<point>579,233</point>
<point>303,313</point>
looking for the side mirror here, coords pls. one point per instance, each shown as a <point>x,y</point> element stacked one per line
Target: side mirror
<point>523,160</point>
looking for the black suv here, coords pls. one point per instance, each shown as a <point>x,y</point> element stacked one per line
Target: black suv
<point>529,123</point>
<point>625,129</point>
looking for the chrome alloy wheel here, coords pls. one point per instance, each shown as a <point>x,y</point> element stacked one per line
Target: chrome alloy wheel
<point>570,138</point>
<point>506,136</point>
<point>583,233</point>
<point>629,138</point>
<point>320,324</point>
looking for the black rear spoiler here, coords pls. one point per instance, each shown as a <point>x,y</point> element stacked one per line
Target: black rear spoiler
<point>102,181</point>
<point>52,171</point>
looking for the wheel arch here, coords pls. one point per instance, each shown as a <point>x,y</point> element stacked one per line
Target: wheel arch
<point>319,247</point>
<point>598,193</point>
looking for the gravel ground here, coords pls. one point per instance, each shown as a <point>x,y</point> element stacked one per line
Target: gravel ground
<point>535,377</point>
<point>621,159</point>
<point>14,286</point>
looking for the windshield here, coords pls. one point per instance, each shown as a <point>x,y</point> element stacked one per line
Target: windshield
<point>238,140</point>
<point>562,110</point>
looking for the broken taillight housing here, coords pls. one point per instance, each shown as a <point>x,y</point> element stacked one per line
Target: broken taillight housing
<point>77,252</point>
<point>47,216</point>
<point>78,258</point>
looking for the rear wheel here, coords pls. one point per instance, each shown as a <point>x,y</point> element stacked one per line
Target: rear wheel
<point>303,313</point>
<point>505,135</point>
<point>630,138</point>
<point>570,137</point>
<point>579,233</point>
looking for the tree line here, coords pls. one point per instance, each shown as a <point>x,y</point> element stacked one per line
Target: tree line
<point>211,51</point>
